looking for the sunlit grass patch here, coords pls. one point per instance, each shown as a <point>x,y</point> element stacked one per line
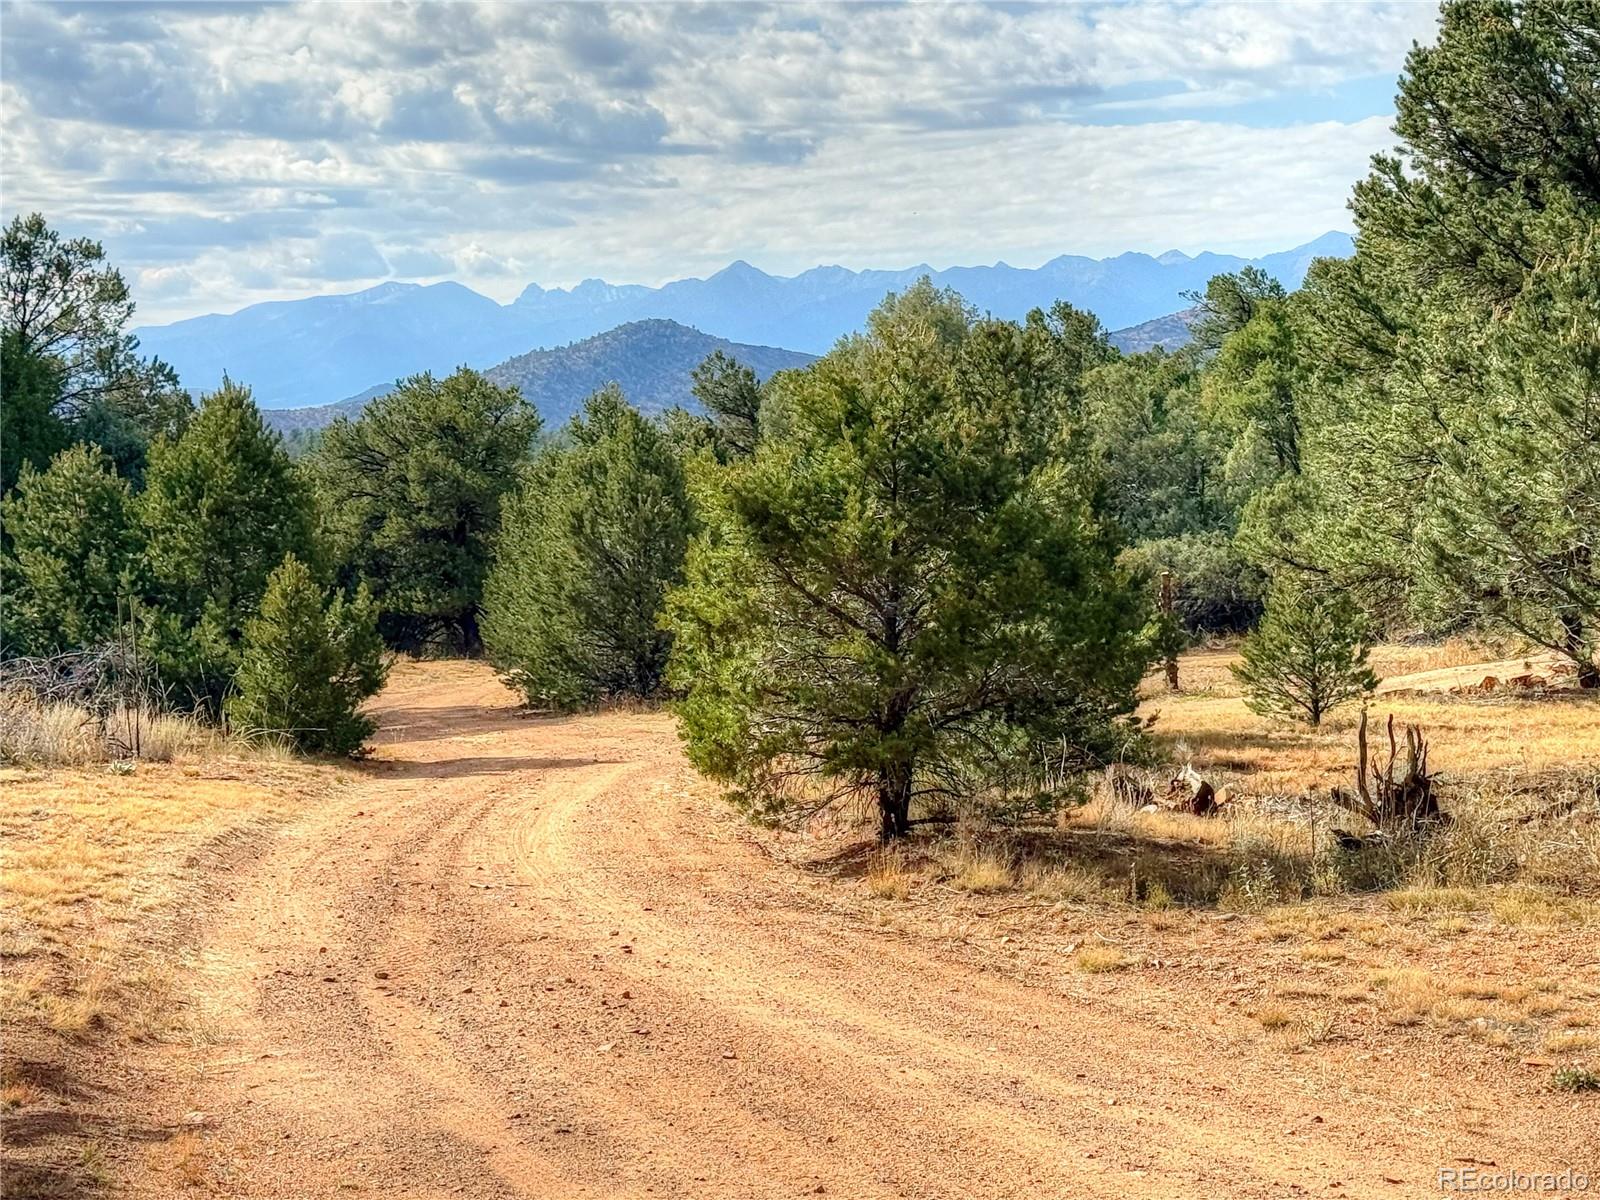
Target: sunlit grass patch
<point>981,871</point>
<point>887,875</point>
<point>1274,1016</point>
<point>1530,906</point>
<point>1570,1042</point>
<point>85,858</point>
<point>35,733</point>
<point>1495,1012</point>
<point>1470,738</point>
<point>1321,952</point>
<point>1098,960</point>
<point>1433,900</point>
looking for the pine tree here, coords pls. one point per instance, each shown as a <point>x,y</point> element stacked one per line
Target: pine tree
<point>1229,303</point>
<point>906,596</point>
<point>306,665</point>
<point>1509,538</point>
<point>1254,384</point>
<point>1449,434</point>
<point>74,552</point>
<point>67,352</point>
<point>1160,461</point>
<point>1307,657</point>
<point>730,393</point>
<point>222,507</point>
<point>586,554</point>
<point>30,431</point>
<point>411,493</point>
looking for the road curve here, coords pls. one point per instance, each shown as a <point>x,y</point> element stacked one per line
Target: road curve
<point>535,958</point>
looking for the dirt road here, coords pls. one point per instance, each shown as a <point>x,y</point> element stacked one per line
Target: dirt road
<point>536,958</point>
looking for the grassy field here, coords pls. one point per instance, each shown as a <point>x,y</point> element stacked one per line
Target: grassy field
<point>1497,740</point>
<point>1502,759</point>
<point>95,861</point>
<point>100,858</point>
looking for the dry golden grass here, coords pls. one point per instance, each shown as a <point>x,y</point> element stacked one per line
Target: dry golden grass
<point>1064,883</point>
<point>981,871</point>
<point>1470,736</point>
<point>93,867</point>
<point>1318,952</point>
<point>1570,1043</point>
<point>1098,960</point>
<point>1528,906</point>
<point>1389,661</point>
<point>887,876</point>
<point>1297,1028</point>
<point>1499,1013</point>
<point>1416,901</point>
<point>1207,669</point>
<point>1274,1016</point>
<point>60,734</point>
<point>19,1093</point>
<point>1500,759</point>
<point>1486,867</point>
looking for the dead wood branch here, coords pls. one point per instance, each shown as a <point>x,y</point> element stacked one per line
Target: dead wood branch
<point>1386,800</point>
<point>1189,793</point>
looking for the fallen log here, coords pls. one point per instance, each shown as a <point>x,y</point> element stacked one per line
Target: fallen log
<point>1187,792</point>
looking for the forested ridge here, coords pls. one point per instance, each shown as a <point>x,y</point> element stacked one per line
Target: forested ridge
<point>926,569</point>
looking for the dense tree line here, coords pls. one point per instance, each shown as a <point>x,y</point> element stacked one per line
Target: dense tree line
<point>921,570</point>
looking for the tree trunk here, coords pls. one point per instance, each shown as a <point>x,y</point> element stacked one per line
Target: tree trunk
<point>471,639</point>
<point>1572,642</point>
<point>894,801</point>
<point>1168,603</point>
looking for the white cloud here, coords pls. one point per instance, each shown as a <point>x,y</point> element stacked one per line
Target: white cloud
<point>254,152</point>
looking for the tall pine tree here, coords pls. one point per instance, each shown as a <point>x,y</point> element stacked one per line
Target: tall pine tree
<point>71,368</point>
<point>74,554</point>
<point>1450,430</point>
<point>411,492</point>
<point>586,554</point>
<point>222,507</point>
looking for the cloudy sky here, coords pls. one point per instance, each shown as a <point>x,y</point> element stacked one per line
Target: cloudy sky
<point>228,153</point>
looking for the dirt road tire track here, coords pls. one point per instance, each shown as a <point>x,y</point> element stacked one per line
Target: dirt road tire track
<point>534,958</point>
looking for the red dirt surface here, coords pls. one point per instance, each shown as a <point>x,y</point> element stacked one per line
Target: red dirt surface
<point>538,958</point>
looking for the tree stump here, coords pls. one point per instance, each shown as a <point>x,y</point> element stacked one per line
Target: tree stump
<point>1386,800</point>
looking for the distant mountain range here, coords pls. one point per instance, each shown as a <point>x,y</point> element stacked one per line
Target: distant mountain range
<point>324,348</point>
<point>651,360</point>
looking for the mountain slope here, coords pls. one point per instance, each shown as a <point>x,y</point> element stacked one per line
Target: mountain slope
<point>651,360</point>
<point>318,350</point>
<point>1170,332</point>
